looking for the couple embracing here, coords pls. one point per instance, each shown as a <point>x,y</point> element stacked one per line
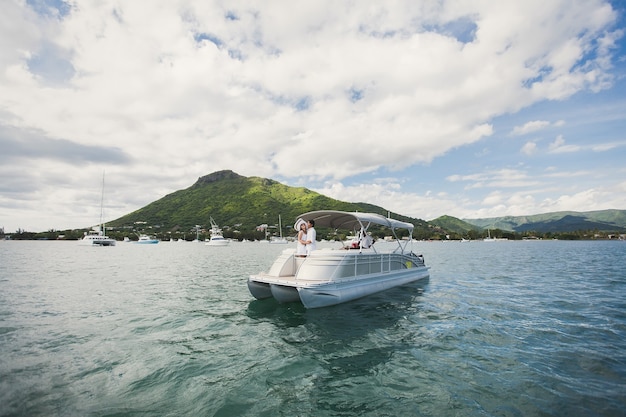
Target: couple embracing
<point>306,237</point>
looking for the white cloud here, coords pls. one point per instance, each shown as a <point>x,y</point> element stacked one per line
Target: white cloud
<point>529,148</point>
<point>535,126</point>
<point>530,127</point>
<point>499,201</point>
<point>316,91</point>
<point>499,204</point>
<point>604,147</point>
<point>552,173</point>
<point>426,205</point>
<point>493,199</point>
<point>587,200</point>
<point>508,178</point>
<point>559,146</point>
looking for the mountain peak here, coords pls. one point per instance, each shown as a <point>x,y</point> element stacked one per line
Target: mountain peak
<point>226,174</point>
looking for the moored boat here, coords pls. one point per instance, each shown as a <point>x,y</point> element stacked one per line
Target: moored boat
<point>493,239</point>
<point>216,239</point>
<point>147,240</point>
<point>333,276</point>
<point>97,235</point>
<point>279,239</point>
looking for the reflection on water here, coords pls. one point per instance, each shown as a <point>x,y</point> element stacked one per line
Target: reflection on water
<point>347,320</point>
<point>339,348</point>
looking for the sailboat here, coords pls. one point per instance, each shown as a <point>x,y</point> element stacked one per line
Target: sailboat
<point>97,235</point>
<point>281,239</point>
<point>493,239</point>
<point>489,238</point>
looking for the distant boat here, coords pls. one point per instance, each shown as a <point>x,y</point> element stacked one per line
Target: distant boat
<point>97,235</point>
<point>147,240</point>
<point>281,239</point>
<point>278,240</point>
<point>332,276</point>
<point>492,239</point>
<point>216,239</point>
<point>489,238</point>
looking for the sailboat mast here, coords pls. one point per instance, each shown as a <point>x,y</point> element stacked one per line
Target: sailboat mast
<point>102,208</point>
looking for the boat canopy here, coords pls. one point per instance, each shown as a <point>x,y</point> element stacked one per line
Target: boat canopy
<point>352,220</point>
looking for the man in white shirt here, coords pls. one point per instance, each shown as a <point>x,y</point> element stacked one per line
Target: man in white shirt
<point>311,237</point>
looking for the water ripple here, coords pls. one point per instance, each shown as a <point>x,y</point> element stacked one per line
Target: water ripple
<point>512,329</point>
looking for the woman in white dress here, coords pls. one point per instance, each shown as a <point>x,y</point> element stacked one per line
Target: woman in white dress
<point>301,245</point>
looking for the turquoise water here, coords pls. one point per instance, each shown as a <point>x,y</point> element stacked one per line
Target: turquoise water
<point>500,329</point>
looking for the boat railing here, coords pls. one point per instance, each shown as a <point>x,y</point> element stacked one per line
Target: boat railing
<point>350,265</point>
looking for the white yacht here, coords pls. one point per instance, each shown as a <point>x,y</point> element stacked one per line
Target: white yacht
<point>332,276</point>
<point>96,237</point>
<point>216,239</point>
<point>147,240</point>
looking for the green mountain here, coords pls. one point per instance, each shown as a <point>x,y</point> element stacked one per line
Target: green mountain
<point>235,201</point>
<point>454,225</point>
<point>563,221</point>
<point>240,204</point>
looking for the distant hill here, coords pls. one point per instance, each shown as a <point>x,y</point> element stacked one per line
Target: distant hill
<point>243,202</point>
<point>564,221</point>
<point>235,201</point>
<point>454,225</point>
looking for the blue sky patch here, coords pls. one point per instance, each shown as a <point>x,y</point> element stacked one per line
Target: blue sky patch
<point>50,8</point>
<point>51,64</point>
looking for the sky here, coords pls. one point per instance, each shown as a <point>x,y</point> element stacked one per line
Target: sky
<point>465,108</point>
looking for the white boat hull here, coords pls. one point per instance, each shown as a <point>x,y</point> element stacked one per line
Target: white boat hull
<point>97,241</point>
<point>335,276</point>
<point>259,290</point>
<point>217,242</point>
<point>284,293</point>
<point>326,295</point>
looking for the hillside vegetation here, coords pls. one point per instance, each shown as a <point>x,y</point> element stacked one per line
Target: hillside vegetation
<point>241,203</point>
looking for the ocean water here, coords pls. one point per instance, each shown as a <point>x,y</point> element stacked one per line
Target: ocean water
<point>499,329</point>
